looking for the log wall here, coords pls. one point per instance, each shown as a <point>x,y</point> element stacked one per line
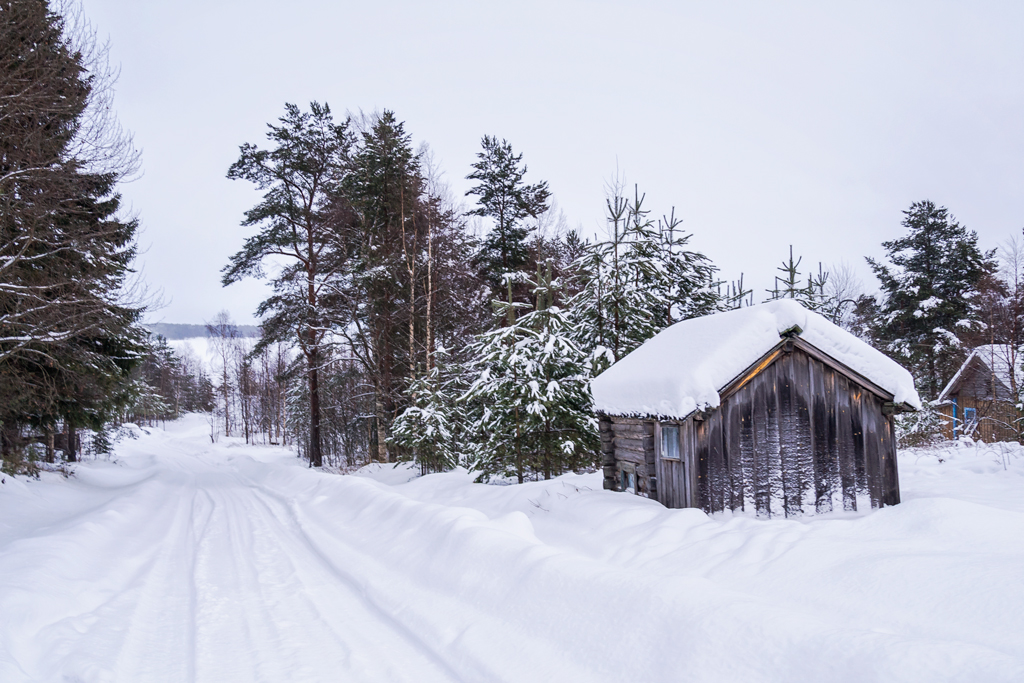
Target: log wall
<point>631,443</point>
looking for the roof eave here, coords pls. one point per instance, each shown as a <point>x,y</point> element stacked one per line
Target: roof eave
<point>789,340</point>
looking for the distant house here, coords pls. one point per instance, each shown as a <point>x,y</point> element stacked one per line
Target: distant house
<point>981,399</point>
<point>770,409</point>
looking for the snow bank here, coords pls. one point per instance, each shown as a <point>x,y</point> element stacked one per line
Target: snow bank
<point>392,473</point>
<point>186,560</point>
<point>684,366</point>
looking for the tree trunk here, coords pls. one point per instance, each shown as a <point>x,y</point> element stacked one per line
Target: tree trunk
<point>227,400</point>
<point>547,450</point>
<point>49,445</point>
<point>430,294</point>
<point>315,454</point>
<point>382,444</point>
<point>410,266</point>
<point>70,450</point>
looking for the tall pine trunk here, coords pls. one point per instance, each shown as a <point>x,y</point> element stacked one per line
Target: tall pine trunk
<point>227,399</point>
<point>316,458</point>
<point>382,444</point>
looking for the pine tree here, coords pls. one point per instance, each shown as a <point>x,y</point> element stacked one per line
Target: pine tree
<point>378,298</point>
<point>504,197</point>
<point>295,220</point>
<point>930,294</point>
<point>789,285</point>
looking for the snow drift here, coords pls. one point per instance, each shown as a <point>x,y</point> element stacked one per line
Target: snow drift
<point>186,560</point>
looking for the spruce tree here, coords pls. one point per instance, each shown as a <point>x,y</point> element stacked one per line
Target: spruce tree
<point>67,340</point>
<point>428,427</point>
<point>378,300</point>
<point>929,294</point>
<point>508,200</point>
<point>790,285</point>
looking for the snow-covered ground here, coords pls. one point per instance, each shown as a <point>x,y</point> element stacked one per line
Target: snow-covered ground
<point>202,349</point>
<point>183,560</point>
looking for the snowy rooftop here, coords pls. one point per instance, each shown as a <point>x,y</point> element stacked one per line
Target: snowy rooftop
<point>996,357</point>
<point>684,366</point>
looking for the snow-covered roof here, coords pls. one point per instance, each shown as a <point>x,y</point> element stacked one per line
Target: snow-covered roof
<point>684,366</point>
<point>996,358</point>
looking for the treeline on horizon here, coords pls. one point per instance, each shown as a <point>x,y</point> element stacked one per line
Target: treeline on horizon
<point>179,331</point>
<point>394,330</point>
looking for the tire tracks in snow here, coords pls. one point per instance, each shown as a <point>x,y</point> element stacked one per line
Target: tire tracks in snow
<point>465,639</point>
<point>285,616</point>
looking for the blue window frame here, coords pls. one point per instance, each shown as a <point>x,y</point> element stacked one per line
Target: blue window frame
<point>670,442</point>
<point>628,481</point>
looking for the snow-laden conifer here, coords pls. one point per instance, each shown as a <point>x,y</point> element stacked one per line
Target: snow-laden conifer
<point>428,428</point>
<point>811,294</point>
<point>508,200</point>
<point>930,295</point>
<point>531,383</point>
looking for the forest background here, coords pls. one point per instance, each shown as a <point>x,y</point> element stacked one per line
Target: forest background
<point>404,321</point>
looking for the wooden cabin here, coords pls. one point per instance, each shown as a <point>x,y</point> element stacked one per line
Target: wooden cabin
<point>981,399</point>
<point>770,409</point>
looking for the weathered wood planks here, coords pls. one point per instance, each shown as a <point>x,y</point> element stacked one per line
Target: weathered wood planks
<point>796,437</point>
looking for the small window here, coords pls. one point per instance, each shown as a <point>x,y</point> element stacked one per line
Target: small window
<point>628,481</point>
<point>970,417</point>
<point>670,442</point>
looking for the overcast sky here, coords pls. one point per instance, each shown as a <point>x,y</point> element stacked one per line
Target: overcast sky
<point>763,123</point>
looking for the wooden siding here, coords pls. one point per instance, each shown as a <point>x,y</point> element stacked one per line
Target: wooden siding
<point>996,420</point>
<point>676,478</point>
<point>797,437</point>
<point>992,400</point>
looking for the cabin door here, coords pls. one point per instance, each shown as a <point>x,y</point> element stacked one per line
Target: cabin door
<point>674,466</point>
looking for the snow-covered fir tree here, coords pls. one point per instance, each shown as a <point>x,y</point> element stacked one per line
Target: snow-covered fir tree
<point>428,428</point>
<point>789,284</point>
<point>532,386</point>
<point>930,294</point>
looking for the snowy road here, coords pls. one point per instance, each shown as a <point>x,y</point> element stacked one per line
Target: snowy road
<point>191,561</point>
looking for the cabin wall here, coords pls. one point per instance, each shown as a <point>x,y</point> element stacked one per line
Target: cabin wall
<point>676,478</point>
<point>798,438</point>
<point>628,444</point>
<point>995,410</point>
<point>996,420</point>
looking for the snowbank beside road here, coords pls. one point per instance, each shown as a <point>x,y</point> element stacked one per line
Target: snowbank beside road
<point>190,560</point>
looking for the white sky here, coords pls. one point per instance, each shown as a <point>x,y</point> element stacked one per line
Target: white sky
<point>764,124</point>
